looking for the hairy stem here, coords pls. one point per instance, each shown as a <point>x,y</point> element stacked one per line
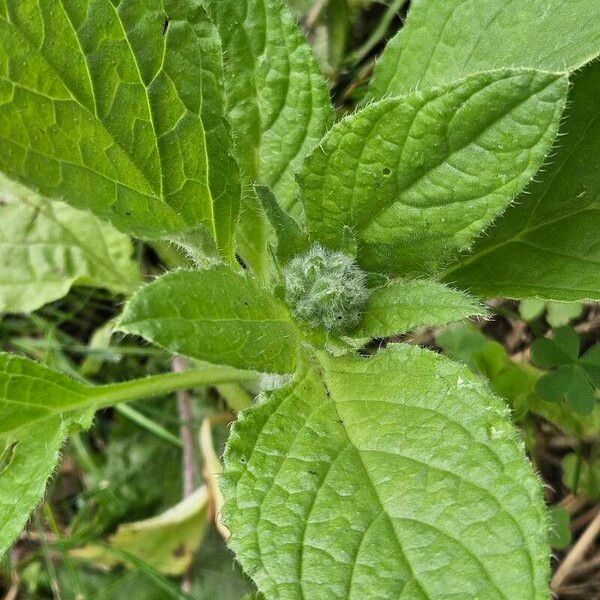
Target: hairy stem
<point>157,385</point>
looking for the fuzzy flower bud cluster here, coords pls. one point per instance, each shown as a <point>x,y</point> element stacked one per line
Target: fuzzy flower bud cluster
<point>325,288</point>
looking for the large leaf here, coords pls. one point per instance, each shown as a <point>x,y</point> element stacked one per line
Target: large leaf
<point>417,177</point>
<point>547,244</point>
<point>445,40</point>
<point>385,478</point>
<point>40,407</point>
<point>215,315</point>
<point>47,247</point>
<point>117,107</point>
<point>278,101</point>
<point>279,106</point>
<point>402,305</point>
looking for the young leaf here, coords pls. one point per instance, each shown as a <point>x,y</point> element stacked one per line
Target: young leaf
<point>402,305</point>
<point>217,316</point>
<point>385,477</point>
<point>102,108</point>
<point>547,243</point>
<point>445,41</point>
<point>418,177</point>
<point>291,239</point>
<point>47,247</point>
<point>278,103</point>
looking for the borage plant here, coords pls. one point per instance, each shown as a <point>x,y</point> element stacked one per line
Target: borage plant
<point>367,472</point>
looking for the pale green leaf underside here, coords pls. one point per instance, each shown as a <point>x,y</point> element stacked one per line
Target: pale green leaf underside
<point>548,244</point>
<point>418,177</point>
<point>402,305</point>
<point>47,247</point>
<point>99,108</point>
<point>385,478</point>
<point>217,316</point>
<point>445,40</point>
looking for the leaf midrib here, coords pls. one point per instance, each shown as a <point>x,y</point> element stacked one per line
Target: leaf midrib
<point>372,216</point>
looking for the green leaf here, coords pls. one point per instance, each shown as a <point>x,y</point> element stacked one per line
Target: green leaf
<point>40,407</point>
<point>590,363</point>
<point>30,392</point>
<point>586,472</point>
<point>417,177</point>
<point>103,107</point>
<point>402,305</point>
<point>531,309</point>
<point>291,239</point>
<point>48,247</point>
<point>516,382</point>
<point>445,41</point>
<point>217,316</point>
<point>166,542</point>
<point>563,349</point>
<point>570,381</point>
<point>560,532</point>
<point>461,342</point>
<point>385,477</point>
<point>562,313</point>
<point>547,243</point>
<point>28,457</point>
<point>556,385</point>
<point>278,102</point>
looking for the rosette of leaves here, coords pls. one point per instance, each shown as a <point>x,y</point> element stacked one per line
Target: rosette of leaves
<point>573,379</point>
<point>397,474</point>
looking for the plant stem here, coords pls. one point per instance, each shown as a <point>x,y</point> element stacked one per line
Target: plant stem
<point>158,385</point>
<point>184,407</point>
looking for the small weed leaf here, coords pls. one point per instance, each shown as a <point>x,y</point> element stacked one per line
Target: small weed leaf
<point>573,379</point>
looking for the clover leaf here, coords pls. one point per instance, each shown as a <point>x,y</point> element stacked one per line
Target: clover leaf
<point>573,379</point>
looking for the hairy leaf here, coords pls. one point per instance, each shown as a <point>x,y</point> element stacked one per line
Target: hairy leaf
<point>385,477</point>
<point>418,177</point>
<point>278,102</point>
<point>547,244</point>
<point>402,305</point>
<point>47,247</point>
<point>291,239</point>
<point>28,456</point>
<point>40,407</point>
<point>217,316</point>
<point>117,107</point>
<point>445,40</point>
